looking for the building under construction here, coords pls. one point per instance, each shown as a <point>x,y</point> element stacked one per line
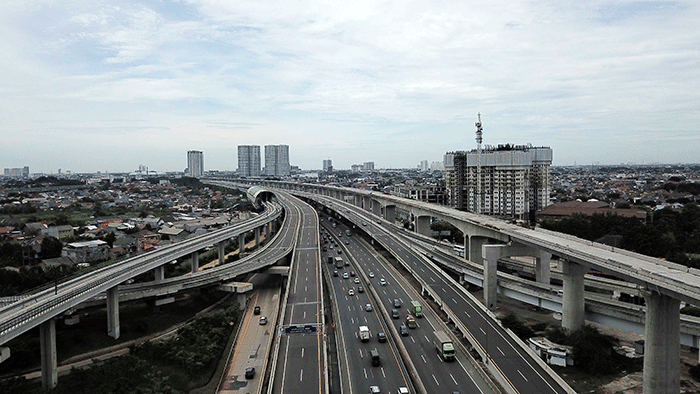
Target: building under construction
<point>507,180</point>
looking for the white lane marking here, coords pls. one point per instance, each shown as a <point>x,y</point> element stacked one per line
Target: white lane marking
<point>453,300</point>
<point>436,381</point>
<point>414,341</point>
<point>468,315</point>
<point>521,374</point>
<point>301,375</point>
<point>365,370</point>
<point>302,352</point>
<point>482,330</point>
<point>499,349</point>
<point>383,374</point>
<point>454,380</point>
<point>424,360</point>
<point>426,338</point>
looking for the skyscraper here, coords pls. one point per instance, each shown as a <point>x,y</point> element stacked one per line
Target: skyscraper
<point>195,163</point>
<point>277,160</point>
<point>368,166</point>
<point>424,165</point>
<point>327,165</point>
<point>249,160</point>
<point>514,180</point>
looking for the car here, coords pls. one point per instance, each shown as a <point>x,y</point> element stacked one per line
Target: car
<point>397,303</point>
<point>347,242</point>
<point>330,246</point>
<point>403,390</point>
<point>360,289</point>
<point>357,281</point>
<point>256,310</point>
<point>381,337</point>
<point>382,282</point>
<point>263,320</point>
<point>325,249</point>
<point>374,390</point>
<point>368,307</point>
<point>395,314</point>
<point>347,263</point>
<point>404,330</point>
<point>339,251</point>
<point>250,372</point>
<point>364,223</point>
<point>335,273</point>
<point>352,273</point>
<point>345,275</point>
<point>379,222</point>
<point>371,274</point>
<point>351,292</point>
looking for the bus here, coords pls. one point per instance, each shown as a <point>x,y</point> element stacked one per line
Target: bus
<point>338,262</point>
<point>416,309</point>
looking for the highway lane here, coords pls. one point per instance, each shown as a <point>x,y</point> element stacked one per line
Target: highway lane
<point>358,372</point>
<point>436,374</point>
<point>302,355</point>
<point>523,373</point>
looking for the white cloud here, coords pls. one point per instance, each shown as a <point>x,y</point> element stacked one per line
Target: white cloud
<point>392,83</point>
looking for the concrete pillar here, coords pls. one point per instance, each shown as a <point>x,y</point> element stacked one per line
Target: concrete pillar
<point>159,273</point>
<point>47,340</point>
<point>113,312</point>
<point>491,254</point>
<point>423,225</point>
<point>390,213</point>
<point>474,249</point>
<point>466,246</point>
<point>241,300</point>
<point>222,251</point>
<point>257,237</point>
<point>241,244</point>
<point>195,262</point>
<point>542,262</point>
<point>661,345</point>
<point>376,208</point>
<point>358,201</point>
<point>573,311</point>
<point>367,203</point>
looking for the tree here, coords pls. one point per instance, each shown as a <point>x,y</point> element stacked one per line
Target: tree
<point>51,247</point>
<point>110,238</point>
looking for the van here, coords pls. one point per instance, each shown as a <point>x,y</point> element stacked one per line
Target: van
<point>374,353</point>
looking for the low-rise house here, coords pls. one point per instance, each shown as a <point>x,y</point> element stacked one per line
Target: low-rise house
<point>550,352</point>
<point>59,232</point>
<point>86,251</point>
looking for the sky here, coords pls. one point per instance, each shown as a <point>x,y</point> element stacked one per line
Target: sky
<point>91,85</point>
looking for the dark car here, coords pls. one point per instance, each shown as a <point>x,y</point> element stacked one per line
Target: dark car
<point>360,289</point>
<point>352,273</point>
<point>250,372</point>
<point>256,310</point>
<point>381,337</point>
<point>395,314</point>
<point>335,273</point>
<point>404,330</point>
<point>340,251</point>
<point>397,303</point>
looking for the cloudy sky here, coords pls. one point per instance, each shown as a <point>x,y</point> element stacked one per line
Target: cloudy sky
<point>108,85</point>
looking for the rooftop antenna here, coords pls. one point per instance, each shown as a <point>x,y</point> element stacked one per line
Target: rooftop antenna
<point>479,139</point>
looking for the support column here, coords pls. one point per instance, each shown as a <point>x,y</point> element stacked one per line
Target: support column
<point>358,201</point>
<point>222,251</point>
<point>423,225</point>
<point>491,254</point>
<point>661,345</point>
<point>195,262</point>
<point>390,213</point>
<point>159,273</point>
<point>542,267</point>
<point>474,250</point>
<point>47,340</point>
<point>367,203</point>
<point>376,208</point>
<point>257,237</point>
<point>573,308</point>
<point>241,244</point>
<point>113,312</point>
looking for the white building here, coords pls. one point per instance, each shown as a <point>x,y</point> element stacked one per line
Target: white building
<point>249,160</point>
<point>514,180</point>
<point>277,160</point>
<point>368,166</point>
<point>195,163</point>
<point>424,165</point>
<point>327,165</point>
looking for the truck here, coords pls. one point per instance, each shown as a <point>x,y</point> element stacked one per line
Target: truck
<point>364,334</point>
<point>416,309</point>
<point>444,345</point>
<point>330,259</point>
<point>338,262</point>
<point>411,321</point>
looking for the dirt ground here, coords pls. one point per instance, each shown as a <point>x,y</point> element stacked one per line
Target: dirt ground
<point>628,384</point>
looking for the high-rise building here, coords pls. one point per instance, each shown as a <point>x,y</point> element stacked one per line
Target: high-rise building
<point>249,160</point>
<point>424,165</point>
<point>368,166</point>
<point>195,163</point>
<point>327,165</point>
<point>17,172</point>
<point>277,160</point>
<point>514,180</point>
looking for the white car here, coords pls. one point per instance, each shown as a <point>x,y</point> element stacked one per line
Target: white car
<point>351,292</point>
<point>382,282</point>
<point>371,274</point>
<point>403,390</point>
<point>345,275</point>
<point>357,280</point>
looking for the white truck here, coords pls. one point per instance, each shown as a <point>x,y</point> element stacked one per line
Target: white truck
<point>364,334</point>
<point>444,345</point>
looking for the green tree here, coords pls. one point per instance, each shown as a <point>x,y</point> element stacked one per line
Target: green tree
<point>51,247</point>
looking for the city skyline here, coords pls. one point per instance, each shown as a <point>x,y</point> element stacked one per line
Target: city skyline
<point>103,87</point>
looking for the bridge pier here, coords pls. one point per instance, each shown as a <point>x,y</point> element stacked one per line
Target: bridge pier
<point>195,262</point>
<point>661,345</point>
<point>390,213</point>
<point>113,312</point>
<point>241,244</point>
<point>474,249</point>
<point>47,340</point>
<point>257,237</point>
<point>358,201</point>
<point>423,225</point>
<point>491,254</point>
<point>376,208</point>
<point>367,203</point>
<point>542,267</point>
<point>159,273</point>
<point>222,252</point>
<point>573,308</point>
